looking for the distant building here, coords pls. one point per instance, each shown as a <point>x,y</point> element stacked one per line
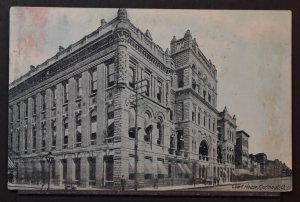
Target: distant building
<point>227,140</point>
<point>241,150</point>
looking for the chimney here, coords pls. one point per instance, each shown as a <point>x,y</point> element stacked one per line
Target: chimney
<point>102,22</point>
<point>60,48</point>
<point>32,67</point>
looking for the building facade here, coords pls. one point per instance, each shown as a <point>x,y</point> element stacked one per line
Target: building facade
<point>226,143</point>
<point>242,159</point>
<point>80,105</point>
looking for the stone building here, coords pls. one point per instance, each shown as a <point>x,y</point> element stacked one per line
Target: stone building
<point>227,142</point>
<point>79,105</point>
<point>241,150</point>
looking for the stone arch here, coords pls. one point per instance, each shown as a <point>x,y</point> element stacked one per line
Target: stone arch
<point>159,114</point>
<point>203,150</point>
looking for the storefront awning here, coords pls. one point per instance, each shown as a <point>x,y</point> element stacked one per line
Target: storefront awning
<point>187,169</point>
<point>180,168</point>
<point>161,168</point>
<point>148,166</point>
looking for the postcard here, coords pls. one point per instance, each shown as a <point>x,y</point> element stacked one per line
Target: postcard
<point>149,100</point>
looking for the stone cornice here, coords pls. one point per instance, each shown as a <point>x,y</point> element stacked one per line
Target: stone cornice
<point>63,64</point>
<point>149,55</point>
<point>189,90</point>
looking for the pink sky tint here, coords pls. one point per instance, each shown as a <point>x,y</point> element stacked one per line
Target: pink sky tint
<point>30,41</point>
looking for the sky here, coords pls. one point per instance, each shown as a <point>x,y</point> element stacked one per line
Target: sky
<point>250,49</point>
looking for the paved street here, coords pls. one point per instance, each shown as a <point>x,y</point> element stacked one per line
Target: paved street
<point>272,184</point>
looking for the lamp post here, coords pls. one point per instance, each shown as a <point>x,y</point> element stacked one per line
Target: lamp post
<point>50,159</point>
<point>138,90</point>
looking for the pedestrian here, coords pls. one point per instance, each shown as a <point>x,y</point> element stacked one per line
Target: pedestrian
<point>123,182</point>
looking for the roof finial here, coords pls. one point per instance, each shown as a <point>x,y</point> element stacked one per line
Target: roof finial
<point>122,13</point>
<point>174,39</point>
<point>187,33</point>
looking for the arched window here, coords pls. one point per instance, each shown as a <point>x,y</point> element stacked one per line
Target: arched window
<point>203,150</point>
<point>148,127</point>
<point>180,140</point>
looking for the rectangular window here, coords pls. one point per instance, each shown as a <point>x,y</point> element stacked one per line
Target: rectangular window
<point>78,131</point>
<point>66,134</point>
<point>110,124</point>
<point>26,108</point>
<point>93,127</point>
<point>33,139</point>
<point>53,92</point>
<point>66,91</point>
<point>64,168</point>
<point>199,118</point>
<point>25,139</point>
<point>19,111</point>
<point>171,115</point>
<point>79,86</point>
<point>18,140</point>
<point>159,92</point>
<point>193,116</point>
<point>209,97</point>
<point>77,169</point>
<point>53,135</point>
<point>180,75</point>
<point>43,101</point>
<point>94,78</point>
<point>43,137</point>
<point>110,75</point>
<point>169,170</point>
<point>92,169</point>
<point>131,76</point>
<point>33,105</point>
<point>204,94</point>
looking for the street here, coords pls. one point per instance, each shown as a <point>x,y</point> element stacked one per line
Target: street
<point>280,184</point>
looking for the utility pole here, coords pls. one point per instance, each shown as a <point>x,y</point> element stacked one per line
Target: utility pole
<point>136,129</point>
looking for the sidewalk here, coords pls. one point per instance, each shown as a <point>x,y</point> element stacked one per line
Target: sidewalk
<point>163,188</point>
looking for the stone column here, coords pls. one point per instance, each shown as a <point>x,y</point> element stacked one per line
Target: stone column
<point>85,117</point>
<point>38,170</point>
<point>70,170</point>
<point>48,121</point>
<point>84,172</point>
<point>101,112</point>
<point>99,170</point>
<point>71,110</point>
<point>15,126</point>
<point>38,124</point>
<point>58,172</point>
<point>29,129</point>
<point>59,128</point>
<point>22,128</point>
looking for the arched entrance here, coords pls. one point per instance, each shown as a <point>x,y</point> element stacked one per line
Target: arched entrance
<point>203,151</point>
